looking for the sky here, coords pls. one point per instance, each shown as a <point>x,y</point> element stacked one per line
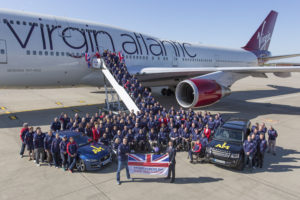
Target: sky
<point>225,23</point>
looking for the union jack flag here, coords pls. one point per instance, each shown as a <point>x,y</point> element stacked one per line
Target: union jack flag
<point>148,164</point>
<point>88,59</point>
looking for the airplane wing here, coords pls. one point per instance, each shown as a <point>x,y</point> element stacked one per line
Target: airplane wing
<point>156,73</point>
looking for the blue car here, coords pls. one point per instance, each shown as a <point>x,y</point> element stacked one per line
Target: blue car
<point>91,155</point>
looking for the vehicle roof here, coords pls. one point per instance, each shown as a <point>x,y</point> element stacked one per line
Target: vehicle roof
<point>236,123</point>
<point>69,133</point>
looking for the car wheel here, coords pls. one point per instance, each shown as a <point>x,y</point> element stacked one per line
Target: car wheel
<point>240,165</point>
<point>80,165</point>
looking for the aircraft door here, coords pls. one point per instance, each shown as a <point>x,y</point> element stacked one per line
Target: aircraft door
<point>174,61</point>
<point>3,52</point>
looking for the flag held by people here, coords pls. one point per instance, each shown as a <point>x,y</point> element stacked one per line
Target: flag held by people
<point>150,164</point>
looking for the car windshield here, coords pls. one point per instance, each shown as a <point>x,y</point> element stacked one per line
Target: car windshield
<point>81,140</point>
<point>231,135</point>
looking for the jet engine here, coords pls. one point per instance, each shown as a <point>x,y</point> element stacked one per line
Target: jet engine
<point>199,92</point>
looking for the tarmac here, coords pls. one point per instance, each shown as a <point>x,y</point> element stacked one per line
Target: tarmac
<point>274,101</point>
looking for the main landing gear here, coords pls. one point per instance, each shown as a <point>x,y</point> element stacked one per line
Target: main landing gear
<point>167,92</point>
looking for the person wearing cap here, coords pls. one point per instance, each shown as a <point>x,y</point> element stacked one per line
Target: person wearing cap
<point>72,153</point>
<point>63,152</point>
<point>23,132</point>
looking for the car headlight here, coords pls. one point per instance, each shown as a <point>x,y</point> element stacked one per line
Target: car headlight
<point>91,160</point>
<point>235,155</point>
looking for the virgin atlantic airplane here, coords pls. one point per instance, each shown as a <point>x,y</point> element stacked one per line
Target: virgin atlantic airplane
<point>46,51</point>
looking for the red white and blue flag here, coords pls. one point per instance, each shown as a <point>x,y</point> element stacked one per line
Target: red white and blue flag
<point>150,164</point>
<point>121,57</point>
<point>88,59</point>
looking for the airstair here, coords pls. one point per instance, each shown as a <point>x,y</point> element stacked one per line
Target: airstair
<point>115,92</point>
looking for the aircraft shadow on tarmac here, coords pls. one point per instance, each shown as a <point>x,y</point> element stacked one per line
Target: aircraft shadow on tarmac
<point>179,180</point>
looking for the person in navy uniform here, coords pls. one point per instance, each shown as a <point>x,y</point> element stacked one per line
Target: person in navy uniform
<point>186,139</point>
<point>64,121</point>
<point>204,143</point>
<point>55,150</point>
<point>28,139</point>
<point>249,149</point>
<point>171,151</point>
<point>195,150</point>
<point>23,132</point>
<point>130,139</point>
<point>140,140</point>
<point>272,133</point>
<point>152,138</point>
<point>56,125</point>
<point>174,137</point>
<point>38,145</point>
<point>123,152</point>
<point>104,140</point>
<point>72,153</point>
<point>262,148</point>
<point>47,146</point>
<point>63,152</point>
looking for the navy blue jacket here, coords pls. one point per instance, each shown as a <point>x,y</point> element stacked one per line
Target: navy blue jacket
<point>262,145</point>
<point>104,141</point>
<point>55,145</point>
<point>211,125</point>
<point>55,126</point>
<point>122,151</point>
<point>28,139</point>
<point>38,141</point>
<point>249,147</point>
<point>272,134</point>
<point>203,142</point>
<point>63,146</point>
<point>48,141</point>
<point>130,137</point>
<point>152,136</point>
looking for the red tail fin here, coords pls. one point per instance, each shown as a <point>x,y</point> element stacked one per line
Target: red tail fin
<point>260,41</point>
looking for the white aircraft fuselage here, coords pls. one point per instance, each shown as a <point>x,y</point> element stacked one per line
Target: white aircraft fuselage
<point>46,51</point>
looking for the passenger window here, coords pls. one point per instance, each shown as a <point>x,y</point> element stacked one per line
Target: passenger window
<point>40,53</point>
<point>11,21</point>
<point>4,21</point>
<point>24,23</point>
<point>2,51</point>
<point>30,23</point>
<point>57,53</point>
<point>52,53</point>
<point>33,52</point>
<point>18,22</point>
<point>46,53</point>
<point>28,52</point>
<point>62,53</point>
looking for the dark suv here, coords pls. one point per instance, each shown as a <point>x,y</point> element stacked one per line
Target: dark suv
<point>226,147</point>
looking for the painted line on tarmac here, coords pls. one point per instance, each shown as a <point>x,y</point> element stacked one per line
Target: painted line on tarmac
<point>43,109</point>
<point>13,117</point>
<point>59,103</point>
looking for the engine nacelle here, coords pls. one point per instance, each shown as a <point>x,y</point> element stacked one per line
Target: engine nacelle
<point>199,92</point>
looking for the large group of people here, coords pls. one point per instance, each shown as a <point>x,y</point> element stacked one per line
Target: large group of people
<point>149,130</point>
